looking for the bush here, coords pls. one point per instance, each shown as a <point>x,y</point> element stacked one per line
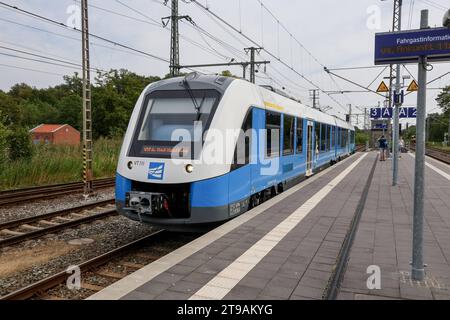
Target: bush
<point>362,137</point>
<point>52,164</point>
<point>19,144</point>
<point>3,145</point>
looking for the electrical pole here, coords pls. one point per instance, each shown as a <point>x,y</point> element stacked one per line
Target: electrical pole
<point>253,63</point>
<point>175,37</point>
<point>350,113</point>
<point>418,271</point>
<point>396,26</point>
<point>366,127</point>
<point>87,108</point>
<point>314,95</point>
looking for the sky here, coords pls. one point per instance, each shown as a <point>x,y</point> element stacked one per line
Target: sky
<point>302,36</point>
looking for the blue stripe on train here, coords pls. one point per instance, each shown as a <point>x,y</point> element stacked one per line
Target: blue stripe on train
<point>123,185</point>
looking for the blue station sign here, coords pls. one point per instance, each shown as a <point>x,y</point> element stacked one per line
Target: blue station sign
<point>388,113</point>
<point>408,46</point>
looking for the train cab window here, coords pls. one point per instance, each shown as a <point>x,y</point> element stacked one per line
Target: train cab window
<point>288,135</point>
<point>273,125</point>
<point>242,153</point>
<point>171,118</point>
<point>299,135</point>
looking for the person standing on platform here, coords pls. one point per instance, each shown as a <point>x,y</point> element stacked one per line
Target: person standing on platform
<point>382,144</point>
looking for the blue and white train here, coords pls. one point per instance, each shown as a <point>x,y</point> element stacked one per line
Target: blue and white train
<point>162,181</point>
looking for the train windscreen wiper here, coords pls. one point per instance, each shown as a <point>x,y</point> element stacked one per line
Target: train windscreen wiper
<point>197,107</point>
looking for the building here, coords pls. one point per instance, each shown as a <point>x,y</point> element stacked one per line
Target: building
<point>57,134</point>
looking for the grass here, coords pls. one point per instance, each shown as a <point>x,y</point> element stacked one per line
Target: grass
<point>438,145</point>
<point>59,164</point>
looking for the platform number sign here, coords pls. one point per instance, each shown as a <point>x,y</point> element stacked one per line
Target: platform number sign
<point>388,113</point>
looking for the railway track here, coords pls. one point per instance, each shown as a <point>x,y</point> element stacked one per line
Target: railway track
<point>16,231</point>
<point>98,269</point>
<point>36,193</point>
<point>436,153</point>
<point>360,148</point>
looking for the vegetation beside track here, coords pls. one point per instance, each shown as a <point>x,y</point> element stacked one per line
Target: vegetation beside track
<point>58,164</point>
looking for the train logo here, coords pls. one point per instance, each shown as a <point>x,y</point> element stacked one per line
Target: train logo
<point>156,171</point>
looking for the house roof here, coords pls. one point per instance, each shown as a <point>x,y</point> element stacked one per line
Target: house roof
<point>48,128</point>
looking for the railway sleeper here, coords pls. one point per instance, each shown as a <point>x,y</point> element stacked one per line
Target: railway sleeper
<point>30,227</point>
<point>48,223</point>
<point>12,233</point>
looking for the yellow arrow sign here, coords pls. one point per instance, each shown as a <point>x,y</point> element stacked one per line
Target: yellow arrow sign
<point>383,87</point>
<point>413,86</point>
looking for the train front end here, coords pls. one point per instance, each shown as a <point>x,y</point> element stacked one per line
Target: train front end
<point>160,178</point>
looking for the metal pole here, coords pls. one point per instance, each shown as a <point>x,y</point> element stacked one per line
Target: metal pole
<point>397,26</point>
<point>366,127</point>
<point>349,113</point>
<point>174,45</point>
<point>418,271</point>
<point>87,110</point>
<point>252,65</point>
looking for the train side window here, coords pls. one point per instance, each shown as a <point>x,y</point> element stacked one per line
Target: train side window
<point>323,137</point>
<point>242,157</point>
<point>333,136</point>
<point>273,126</point>
<point>328,137</point>
<point>288,135</point>
<point>299,135</point>
<point>344,138</point>
<point>317,137</point>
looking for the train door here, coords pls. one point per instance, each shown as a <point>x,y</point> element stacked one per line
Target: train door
<point>309,148</point>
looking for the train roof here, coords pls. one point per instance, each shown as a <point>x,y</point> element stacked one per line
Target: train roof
<point>273,99</point>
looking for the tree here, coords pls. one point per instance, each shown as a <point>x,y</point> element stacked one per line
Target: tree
<point>10,110</point>
<point>3,142</point>
<point>114,95</point>
<point>19,144</point>
<point>443,100</point>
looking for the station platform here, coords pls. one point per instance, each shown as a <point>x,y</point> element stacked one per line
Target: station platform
<point>384,236</point>
<point>291,246</point>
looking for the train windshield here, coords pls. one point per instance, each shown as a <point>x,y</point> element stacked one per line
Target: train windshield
<point>169,118</point>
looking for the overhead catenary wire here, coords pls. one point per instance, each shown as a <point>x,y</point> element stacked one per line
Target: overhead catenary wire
<point>233,50</point>
<point>31,69</point>
<point>63,25</point>
<point>71,63</point>
<point>209,11</point>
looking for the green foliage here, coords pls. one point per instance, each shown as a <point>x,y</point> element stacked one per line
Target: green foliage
<point>438,127</point>
<point>19,144</point>
<point>4,133</point>
<point>59,164</point>
<point>361,136</point>
<point>410,133</point>
<point>114,95</point>
<point>443,100</point>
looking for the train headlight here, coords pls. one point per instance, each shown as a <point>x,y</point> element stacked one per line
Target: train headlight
<point>189,168</point>
<point>130,165</point>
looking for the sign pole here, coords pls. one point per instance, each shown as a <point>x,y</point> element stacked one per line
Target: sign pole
<point>418,271</point>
